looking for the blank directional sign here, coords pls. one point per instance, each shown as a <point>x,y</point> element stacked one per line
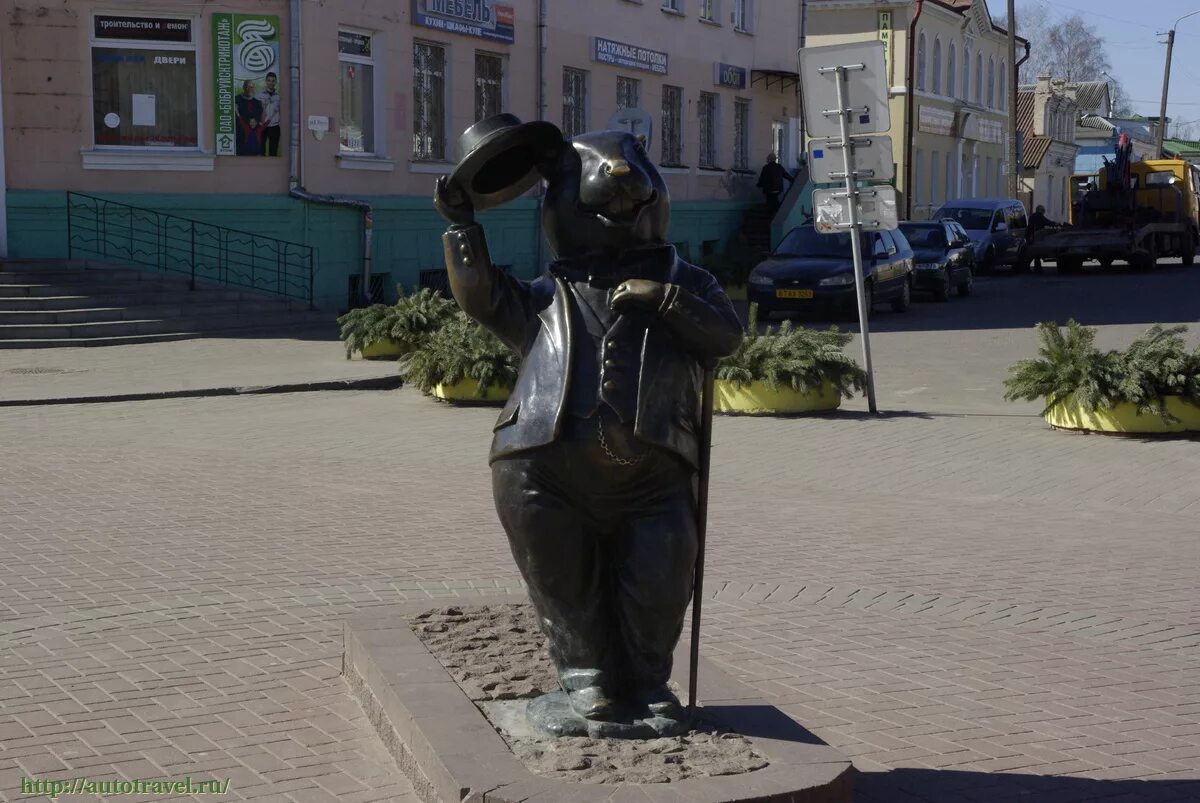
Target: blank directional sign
<point>866,88</point>
<point>872,159</point>
<point>876,209</point>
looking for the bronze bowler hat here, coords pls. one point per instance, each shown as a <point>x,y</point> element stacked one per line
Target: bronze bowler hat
<point>498,158</point>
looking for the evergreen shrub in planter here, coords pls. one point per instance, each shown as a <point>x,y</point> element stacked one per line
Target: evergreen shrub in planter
<point>462,362</point>
<point>787,370</point>
<point>393,330</point>
<point>1151,386</point>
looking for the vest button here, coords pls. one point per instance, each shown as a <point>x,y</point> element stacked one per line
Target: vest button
<point>610,384</point>
<point>610,363</point>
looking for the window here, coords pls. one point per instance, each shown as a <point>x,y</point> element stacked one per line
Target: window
<point>937,66</point>
<point>966,73</point>
<point>741,134</point>
<point>991,83</point>
<point>934,185</point>
<point>670,5</point>
<point>987,176</point>
<point>979,78</point>
<point>951,71</point>
<point>489,85</point>
<point>628,90</point>
<point>356,129</point>
<point>1003,86</point>
<point>144,82</point>
<point>951,192</point>
<point>919,177</point>
<point>741,15</point>
<point>921,62</point>
<point>429,101</point>
<point>672,125</point>
<point>574,102</point>
<point>708,10</point>
<point>707,112</point>
<point>1062,198</point>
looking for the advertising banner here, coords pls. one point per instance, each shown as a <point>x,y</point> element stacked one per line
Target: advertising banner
<point>483,19</point>
<point>247,84</point>
<point>606,51</point>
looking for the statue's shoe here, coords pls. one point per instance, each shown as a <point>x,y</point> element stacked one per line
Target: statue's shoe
<point>661,702</point>
<point>591,702</point>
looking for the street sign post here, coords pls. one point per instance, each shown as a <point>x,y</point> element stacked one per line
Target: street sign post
<point>830,78</point>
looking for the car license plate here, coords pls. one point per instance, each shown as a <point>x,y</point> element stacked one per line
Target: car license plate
<point>793,293</point>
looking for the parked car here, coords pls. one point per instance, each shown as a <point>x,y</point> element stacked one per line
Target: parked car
<point>944,255</point>
<point>996,227</point>
<point>810,269</point>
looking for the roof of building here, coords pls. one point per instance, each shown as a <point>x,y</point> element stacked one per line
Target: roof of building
<point>1035,151</point>
<point>1090,94</point>
<point>1098,123</point>
<point>1025,111</point>
<point>1182,148</point>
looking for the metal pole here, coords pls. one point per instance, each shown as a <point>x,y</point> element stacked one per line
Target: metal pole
<point>706,418</point>
<point>1014,173</point>
<point>855,234</point>
<point>1162,109</point>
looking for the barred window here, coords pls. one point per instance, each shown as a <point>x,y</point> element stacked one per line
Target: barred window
<point>672,125</point>
<point>628,90</point>
<point>707,112</point>
<point>429,101</point>
<point>489,81</point>
<point>574,117</point>
<point>708,10</point>
<point>741,134</point>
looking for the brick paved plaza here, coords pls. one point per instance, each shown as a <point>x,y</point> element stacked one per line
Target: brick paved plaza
<point>970,606</point>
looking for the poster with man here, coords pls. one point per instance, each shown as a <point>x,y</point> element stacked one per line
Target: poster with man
<point>248,100</point>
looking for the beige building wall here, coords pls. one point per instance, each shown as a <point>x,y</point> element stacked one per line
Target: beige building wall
<point>47,91</point>
<point>958,139</point>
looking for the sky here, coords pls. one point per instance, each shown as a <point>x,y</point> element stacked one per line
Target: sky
<point>1130,29</point>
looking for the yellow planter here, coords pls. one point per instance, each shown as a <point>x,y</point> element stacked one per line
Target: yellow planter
<point>466,391</point>
<point>758,398</point>
<point>384,350</point>
<point>1124,418</point>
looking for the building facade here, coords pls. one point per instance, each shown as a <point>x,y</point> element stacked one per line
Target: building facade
<point>190,111</point>
<point>949,68</point>
<point>1047,114</point>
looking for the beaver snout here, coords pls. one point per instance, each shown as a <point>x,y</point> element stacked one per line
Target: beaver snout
<point>617,167</point>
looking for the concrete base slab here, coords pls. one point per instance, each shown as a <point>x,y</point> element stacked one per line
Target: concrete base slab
<point>451,752</point>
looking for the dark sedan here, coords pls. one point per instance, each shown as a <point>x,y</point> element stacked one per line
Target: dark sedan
<point>812,269</point>
<point>944,257</point>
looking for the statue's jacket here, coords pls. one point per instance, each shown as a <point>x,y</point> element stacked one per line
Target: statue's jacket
<point>656,375</point>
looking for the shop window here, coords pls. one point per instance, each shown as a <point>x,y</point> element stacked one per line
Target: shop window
<point>429,102</point>
<point>672,125</point>
<point>356,129</point>
<point>575,101</point>
<point>741,134</point>
<point>144,81</point>
<point>489,85</point>
<point>707,112</point>
<point>628,90</point>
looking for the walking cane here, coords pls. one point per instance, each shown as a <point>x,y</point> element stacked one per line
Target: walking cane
<point>706,417</point>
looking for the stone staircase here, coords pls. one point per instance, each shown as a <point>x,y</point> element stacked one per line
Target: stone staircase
<point>46,303</point>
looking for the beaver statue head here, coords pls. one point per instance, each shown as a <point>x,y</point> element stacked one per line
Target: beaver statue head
<point>603,195</point>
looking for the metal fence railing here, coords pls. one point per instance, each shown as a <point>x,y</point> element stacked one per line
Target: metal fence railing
<point>204,252</point>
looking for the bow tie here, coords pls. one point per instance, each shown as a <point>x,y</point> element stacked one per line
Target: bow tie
<point>609,271</point>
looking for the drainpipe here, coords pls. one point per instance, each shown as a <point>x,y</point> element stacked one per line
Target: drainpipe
<point>911,87</point>
<point>3,178</point>
<point>295,185</point>
<point>541,115</point>
<point>1017,169</point>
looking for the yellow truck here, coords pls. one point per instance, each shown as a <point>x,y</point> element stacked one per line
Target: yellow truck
<point>1134,212</point>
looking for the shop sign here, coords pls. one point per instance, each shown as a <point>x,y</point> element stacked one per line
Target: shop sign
<point>933,120</point>
<point>483,19</point>
<point>354,44</point>
<point>884,27</point>
<point>143,29</point>
<point>245,49</point>
<point>606,51</point>
<point>729,75</point>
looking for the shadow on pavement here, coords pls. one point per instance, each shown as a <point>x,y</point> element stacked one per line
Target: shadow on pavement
<point>1170,294</point>
<point>950,786</point>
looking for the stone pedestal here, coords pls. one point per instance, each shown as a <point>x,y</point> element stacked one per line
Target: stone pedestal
<point>451,752</point>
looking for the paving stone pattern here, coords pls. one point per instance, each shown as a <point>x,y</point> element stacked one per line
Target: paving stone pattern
<point>972,607</point>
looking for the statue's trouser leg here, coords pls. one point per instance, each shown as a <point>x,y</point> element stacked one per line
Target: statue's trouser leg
<point>654,557</point>
<point>555,543</point>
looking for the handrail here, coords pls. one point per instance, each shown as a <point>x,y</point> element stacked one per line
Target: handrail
<point>111,230</point>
